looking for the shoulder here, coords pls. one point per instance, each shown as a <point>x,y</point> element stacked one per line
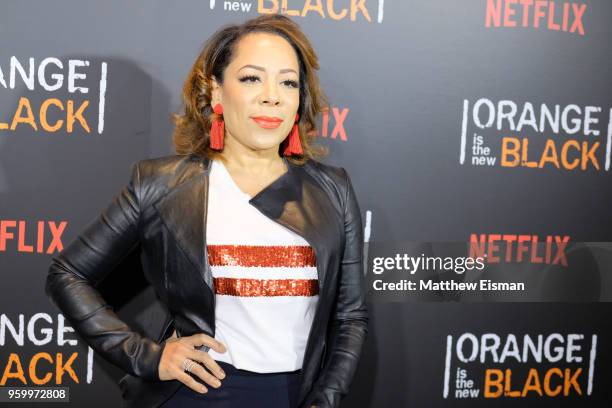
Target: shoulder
<point>335,178</point>
<point>167,165</point>
<point>170,169</point>
<point>335,173</point>
<point>156,175</point>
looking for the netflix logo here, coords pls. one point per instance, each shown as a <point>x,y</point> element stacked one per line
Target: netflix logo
<point>551,15</point>
<point>42,237</point>
<point>496,248</point>
<point>332,124</point>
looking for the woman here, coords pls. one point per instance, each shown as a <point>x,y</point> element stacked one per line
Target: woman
<point>253,245</point>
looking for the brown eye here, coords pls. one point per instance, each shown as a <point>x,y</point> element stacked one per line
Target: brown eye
<point>293,84</point>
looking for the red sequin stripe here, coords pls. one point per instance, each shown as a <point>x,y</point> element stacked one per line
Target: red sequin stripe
<point>260,255</point>
<point>266,287</point>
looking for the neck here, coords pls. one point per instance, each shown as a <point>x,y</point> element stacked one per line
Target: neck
<point>246,160</point>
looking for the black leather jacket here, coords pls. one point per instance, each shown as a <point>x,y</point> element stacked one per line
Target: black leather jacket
<point>161,212</point>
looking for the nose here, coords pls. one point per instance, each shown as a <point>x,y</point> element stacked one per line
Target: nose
<point>269,95</point>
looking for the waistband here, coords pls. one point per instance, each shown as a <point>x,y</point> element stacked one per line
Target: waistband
<point>231,370</point>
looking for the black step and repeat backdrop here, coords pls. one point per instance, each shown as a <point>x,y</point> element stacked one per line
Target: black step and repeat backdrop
<point>480,128</point>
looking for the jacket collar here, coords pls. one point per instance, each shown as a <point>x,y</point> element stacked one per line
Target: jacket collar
<point>184,208</point>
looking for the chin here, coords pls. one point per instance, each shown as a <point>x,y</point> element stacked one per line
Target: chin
<point>273,147</point>
<point>265,144</point>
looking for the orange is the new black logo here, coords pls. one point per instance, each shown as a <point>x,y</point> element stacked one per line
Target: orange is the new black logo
<point>539,136</point>
<point>528,366</point>
<point>73,95</point>
<point>44,350</point>
<point>335,10</point>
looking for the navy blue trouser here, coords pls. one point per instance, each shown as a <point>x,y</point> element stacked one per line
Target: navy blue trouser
<point>240,389</point>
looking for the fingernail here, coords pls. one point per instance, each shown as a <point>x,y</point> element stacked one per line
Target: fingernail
<point>222,374</point>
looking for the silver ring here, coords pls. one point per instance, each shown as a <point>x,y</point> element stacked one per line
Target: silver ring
<point>188,364</point>
<point>203,348</point>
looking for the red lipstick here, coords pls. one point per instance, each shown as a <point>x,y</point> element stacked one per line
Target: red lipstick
<point>267,122</point>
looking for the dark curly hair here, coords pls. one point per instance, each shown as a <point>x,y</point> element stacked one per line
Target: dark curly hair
<point>192,126</point>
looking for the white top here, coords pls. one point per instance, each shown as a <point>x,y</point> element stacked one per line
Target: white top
<point>265,279</point>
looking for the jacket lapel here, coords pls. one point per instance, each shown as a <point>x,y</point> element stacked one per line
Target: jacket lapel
<point>295,200</point>
<point>183,210</point>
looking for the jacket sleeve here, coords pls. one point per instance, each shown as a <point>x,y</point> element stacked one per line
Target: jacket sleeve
<point>77,270</point>
<point>349,321</point>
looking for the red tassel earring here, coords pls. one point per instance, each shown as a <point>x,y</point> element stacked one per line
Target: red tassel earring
<point>294,146</point>
<point>217,130</point>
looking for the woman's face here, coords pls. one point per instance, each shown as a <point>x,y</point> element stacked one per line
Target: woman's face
<point>262,81</point>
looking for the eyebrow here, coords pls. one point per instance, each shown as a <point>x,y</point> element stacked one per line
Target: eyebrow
<point>282,71</point>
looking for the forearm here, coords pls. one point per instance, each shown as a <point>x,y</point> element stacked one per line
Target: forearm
<point>336,376</point>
